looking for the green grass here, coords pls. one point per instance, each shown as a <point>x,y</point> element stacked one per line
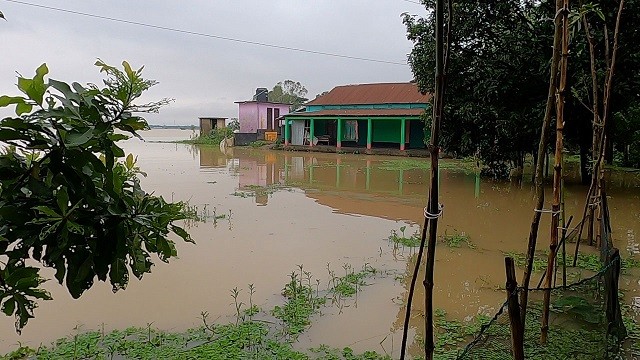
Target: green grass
<point>458,239</point>
<point>583,339</point>
<point>302,302</point>
<point>246,338</point>
<point>349,284</point>
<point>465,164</point>
<point>259,143</point>
<point>590,262</point>
<point>404,240</point>
<point>454,240</point>
<point>213,139</point>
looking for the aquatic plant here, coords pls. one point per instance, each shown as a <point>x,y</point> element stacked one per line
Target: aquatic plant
<point>457,239</point>
<point>403,239</point>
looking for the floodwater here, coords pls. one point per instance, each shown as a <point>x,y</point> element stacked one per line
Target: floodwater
<point>284,209</point>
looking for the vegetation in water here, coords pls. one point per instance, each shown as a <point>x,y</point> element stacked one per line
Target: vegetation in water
<point>452,240</point>
<point>248,191</point>
<point>213,138</point>
<point>402,239</point>
<point>69,199</point>
<point>590,262</point>
<point>457,239</point>
<point>466,164</point>
<point>259,143</point>
<point>304,297</point>
<point>248,337</point>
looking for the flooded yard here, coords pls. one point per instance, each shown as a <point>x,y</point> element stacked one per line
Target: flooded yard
<point>268,212</point>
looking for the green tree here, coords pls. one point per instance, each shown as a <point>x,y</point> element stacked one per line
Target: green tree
<point>234,124</point>
<point>289,92</point>
<point>66,201</point>
<point>496,77</point>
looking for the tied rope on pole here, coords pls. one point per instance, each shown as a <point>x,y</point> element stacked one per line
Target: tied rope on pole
<point>430,216</point>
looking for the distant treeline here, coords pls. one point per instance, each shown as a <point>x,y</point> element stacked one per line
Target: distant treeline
<point>181,127</point>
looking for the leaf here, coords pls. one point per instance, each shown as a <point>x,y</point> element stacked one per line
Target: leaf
<point>63,201</point>
<point>118,275</point>
<point>46,231</point>
<point>182,233</point>
<point>128,71</point>
<point>8,100</point>
<point>49,212</point>
<point>23,108</point>
<point>77,139</point>
<point>9,306</point>
<point>130,162</point>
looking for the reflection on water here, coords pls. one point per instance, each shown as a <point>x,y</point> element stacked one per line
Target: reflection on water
<point>292,208</point>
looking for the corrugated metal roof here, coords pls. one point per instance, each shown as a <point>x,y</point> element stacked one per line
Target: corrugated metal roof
<point>380,93</point>
<point>358,113</point>
<point>260,102</point>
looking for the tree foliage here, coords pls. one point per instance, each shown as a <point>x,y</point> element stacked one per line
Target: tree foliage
<point>234,124</point>
<point>496,77</point>
<point>289,92</point>
<point>66,201</point>
<point>498,74</point>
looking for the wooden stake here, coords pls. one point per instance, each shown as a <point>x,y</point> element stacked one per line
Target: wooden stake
<point>517,334</point>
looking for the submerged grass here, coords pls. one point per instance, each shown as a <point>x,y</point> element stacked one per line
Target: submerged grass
<point>213,139</point>
<point>250,191</point>
<point>584,339</point>
<point>590,262</point>
<point>404,240</point>
<point>466,164</point>
<point>451,240</point>
<point>246,338</point>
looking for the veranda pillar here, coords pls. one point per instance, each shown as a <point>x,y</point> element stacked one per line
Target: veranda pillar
<point>286,132</point>
<point>403,130</point>
<point>369,133</point>
<point>339,139</point>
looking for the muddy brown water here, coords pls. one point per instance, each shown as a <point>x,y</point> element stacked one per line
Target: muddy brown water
<point>317,210</point>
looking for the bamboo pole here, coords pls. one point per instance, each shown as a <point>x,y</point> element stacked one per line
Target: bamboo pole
<point>517,334</point>
<point>433,207</point>
<point>610,64</point>
<point>539,179</point>
<point>430,222</point>
<point>557,170</point>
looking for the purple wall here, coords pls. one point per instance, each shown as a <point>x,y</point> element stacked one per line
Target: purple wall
<point>253,115</point>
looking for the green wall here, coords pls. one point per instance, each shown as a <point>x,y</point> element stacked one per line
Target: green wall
<point>416,134</point>
<point>386,130</point>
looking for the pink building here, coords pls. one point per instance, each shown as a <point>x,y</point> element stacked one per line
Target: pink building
<point>260,114</point>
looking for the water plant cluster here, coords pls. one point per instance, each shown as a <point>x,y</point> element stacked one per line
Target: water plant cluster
<point>585,341</point>
<point>590,262</point>
<point>466,165</point>
<point>249,191</point>
<point>452,240</point>
<point>254,334</point>
<point>213,138</point>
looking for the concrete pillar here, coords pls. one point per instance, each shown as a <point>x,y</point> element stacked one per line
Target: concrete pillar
<point>311,131</point>
<point>369,133</point>
<point>286,132</point>
<point>403,130</point>
<point>339,139</point>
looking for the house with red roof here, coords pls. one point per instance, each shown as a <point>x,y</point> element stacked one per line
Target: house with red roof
<point>364,115</point>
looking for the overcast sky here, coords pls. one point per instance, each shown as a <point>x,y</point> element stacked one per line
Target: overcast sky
<point>206,75</point>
